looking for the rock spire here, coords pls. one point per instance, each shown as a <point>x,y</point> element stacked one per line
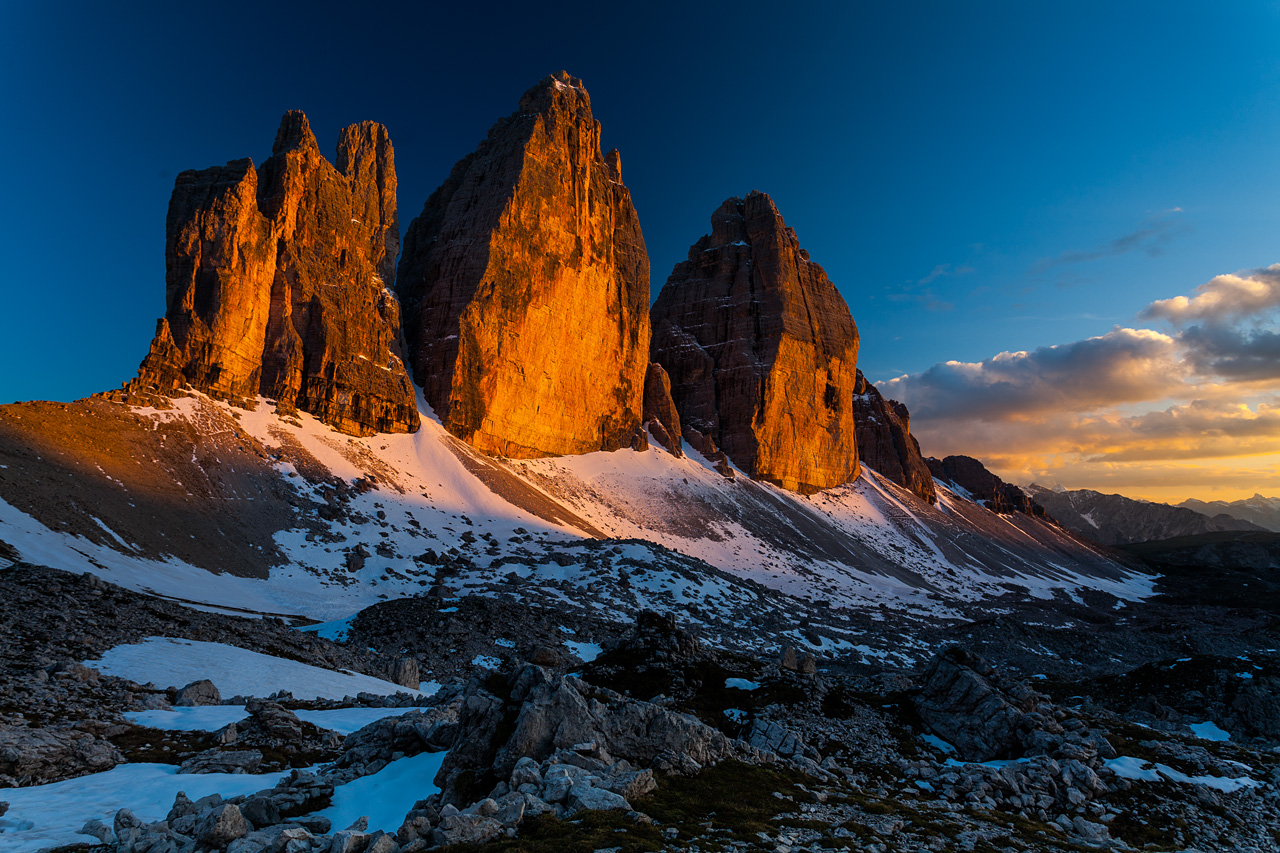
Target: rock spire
<point>277,283</point>
<point>761,350</point>
<point>525,282</point>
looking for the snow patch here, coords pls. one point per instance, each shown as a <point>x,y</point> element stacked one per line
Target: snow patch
<point>170,662</point>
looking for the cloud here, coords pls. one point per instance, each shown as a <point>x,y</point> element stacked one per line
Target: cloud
<point>911,291</point>
<point>1232,353</point>
<point>1179,451</point>
<point>1190,411</point>
<point>1228,328</point>
<point>1151,237</point>
<point>944,270</point>
<point>1224,298</point>
<point>1122,366</point>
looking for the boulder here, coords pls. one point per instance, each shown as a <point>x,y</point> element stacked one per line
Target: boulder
<point>466,829</point>
<point>223,761</point>
<point>222,826</point>
<point>525,282</point>
<point>202,692</point>
<point>584,797</point>
<point>31,756</point>
<point>761,350</point>
<point>405,673</point>
<point>95,827</point>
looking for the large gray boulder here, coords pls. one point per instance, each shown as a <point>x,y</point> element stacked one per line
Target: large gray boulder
<point>466,829</point>
<point>34,756</point>
<point>202,692</point>
<point>222,826</point>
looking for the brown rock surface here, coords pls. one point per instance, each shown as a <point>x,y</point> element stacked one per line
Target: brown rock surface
<point>276,283</point>
<point>761,350</point>
<point>885,442</point>
<point>660,413</point>
<point>526,287</point>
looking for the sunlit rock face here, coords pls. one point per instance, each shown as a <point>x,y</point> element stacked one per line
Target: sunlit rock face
<point>277,283</point>
<point>885,442</point>
<point>525,282</point>
<point>761,350</point>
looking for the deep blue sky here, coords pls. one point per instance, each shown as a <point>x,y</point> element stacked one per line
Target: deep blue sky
<point>975,177</point>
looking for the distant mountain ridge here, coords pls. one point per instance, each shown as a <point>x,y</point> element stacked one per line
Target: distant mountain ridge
<point>1259,510</point>
<point>1118,520</point>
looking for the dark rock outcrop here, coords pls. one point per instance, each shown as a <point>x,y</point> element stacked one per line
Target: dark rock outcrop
<point>660,414</point>
<point>526,287</point>
<point>986,716</point>
<point>277,283</point>
<point>973,477</point>
<point>761,350</point>
<point>885,442</point>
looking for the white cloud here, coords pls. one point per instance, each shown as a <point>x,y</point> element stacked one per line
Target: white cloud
<point>1122,366</point>
<point>1225,297</point>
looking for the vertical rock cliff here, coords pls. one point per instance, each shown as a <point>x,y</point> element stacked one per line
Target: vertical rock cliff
<point>525,282</point>
<point>885,442</point>
<point>761,350</point>
<point>277,283</point>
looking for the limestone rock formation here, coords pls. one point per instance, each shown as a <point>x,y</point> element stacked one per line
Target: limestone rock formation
<point>973,477</point>
<point>660,414</point>
<point>277,283</point>
<point>526,287</point>
<point>885,442</point>
<point>761,350</point>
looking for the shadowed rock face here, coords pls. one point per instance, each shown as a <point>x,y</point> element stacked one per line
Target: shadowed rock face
<point>660,413</point>
<point>972,476</point>
<point>276,283</point>
<point>885,442</point>
<point>526,287</point>
<point>761,350</point>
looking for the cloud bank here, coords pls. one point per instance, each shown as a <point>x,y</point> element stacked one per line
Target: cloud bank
<point>1199,401</point>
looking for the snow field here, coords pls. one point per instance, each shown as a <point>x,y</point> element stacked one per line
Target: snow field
<point>45,816</point>
<point>170,662</point>
<point>210,718</point>
<point>387,796</point>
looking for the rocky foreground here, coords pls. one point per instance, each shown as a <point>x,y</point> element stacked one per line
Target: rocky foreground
<point>1104,730</point>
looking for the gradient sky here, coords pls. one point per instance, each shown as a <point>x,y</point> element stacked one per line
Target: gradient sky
<point>977,178</point>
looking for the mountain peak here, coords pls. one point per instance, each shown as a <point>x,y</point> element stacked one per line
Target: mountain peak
<point>761,350</point>
<point>294,133</point>
<point>526,285</point>
<point>559,88</point>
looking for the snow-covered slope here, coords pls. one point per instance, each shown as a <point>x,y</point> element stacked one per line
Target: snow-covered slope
<point>340,522</point>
